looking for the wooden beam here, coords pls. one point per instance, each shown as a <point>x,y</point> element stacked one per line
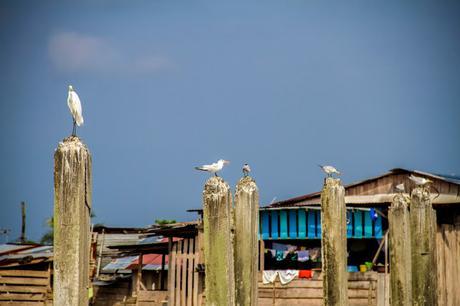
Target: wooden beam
<point>218,244</point>
<point>162,272</point>
<point>423,248</point>
<point>72,208</point>
<point>334,243</point>
<point>400,251</point>
<point>246,218</point>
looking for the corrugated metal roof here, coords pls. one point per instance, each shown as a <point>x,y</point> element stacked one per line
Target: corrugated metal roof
<point>119,264</point>
<point>24,254</point>
<point>13,248</point>
<point>149,262</point>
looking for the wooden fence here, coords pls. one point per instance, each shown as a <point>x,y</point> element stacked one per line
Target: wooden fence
<point>185,283</point>
<point>363,289</point>
<point>25,287</point>
<point>448,262</point>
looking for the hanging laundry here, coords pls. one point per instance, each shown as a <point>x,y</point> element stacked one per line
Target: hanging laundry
<point>281,255</point>
<point>315,254</point>
<point>286,276</point>
<point>269,276</point>
<point>304,273</point>
<point>273,252</point>
<point>303,256</point>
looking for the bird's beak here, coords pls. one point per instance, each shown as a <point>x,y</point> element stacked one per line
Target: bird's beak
<point>226,162</point>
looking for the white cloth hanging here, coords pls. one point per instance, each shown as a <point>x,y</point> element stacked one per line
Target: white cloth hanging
<point>286,276</point>
<point>269,276</point>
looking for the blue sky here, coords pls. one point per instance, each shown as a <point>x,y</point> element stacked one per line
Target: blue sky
<point>167,85</point>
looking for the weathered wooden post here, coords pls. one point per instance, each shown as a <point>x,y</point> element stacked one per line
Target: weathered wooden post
<point>400,251</point>
<point>334,243</point>
<point>218,243</point>
<point>423,245</point>
<point>72,205</point>
<point>246,242</point>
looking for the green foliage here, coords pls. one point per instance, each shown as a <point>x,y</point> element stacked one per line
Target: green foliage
<point>163,222</point>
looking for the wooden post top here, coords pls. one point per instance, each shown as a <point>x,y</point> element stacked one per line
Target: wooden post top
<point>215,187</point>
<point>400,201</point>
<point>247,184</point>
<point>71,143</point>
<point>421,195</point>
<point>332,182</point>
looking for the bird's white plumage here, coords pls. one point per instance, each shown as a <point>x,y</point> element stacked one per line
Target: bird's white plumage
<point>400,187</point>
<point>246,169</point>
<point>214,167</point>
<point>329,170</point>
<point>73,101</point>
<point>420,181</point>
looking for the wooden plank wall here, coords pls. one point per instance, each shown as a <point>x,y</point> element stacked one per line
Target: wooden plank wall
<point>386,184</point>
<point>24,287</point>
<point>448,262</point>
<point>362,290</point>
<point>185,283</point>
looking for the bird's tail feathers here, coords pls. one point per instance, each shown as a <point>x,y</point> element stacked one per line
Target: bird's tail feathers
<point>79,121</point>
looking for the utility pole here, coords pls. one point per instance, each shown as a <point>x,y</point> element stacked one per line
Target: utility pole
<point>23,225</point>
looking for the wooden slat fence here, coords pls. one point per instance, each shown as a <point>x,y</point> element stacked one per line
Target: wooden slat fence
<point>362,290</point>
<point>448,264</point>
<point>185,283</point>
<point>24,287</point>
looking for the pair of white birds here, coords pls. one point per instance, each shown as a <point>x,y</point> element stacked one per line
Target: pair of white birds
<point>217,166</point>
<point>419,181</point>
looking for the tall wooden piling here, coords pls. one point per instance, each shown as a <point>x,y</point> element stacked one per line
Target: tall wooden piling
<point>400,251</point>
<point>334,243</point>
<point>218,243</point>
<point>246,242</point>
<point>72,205</point>
<point>423,245</point>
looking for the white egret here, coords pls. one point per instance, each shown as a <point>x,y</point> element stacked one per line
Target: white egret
<point>73,101</point>
<point>214,167</point>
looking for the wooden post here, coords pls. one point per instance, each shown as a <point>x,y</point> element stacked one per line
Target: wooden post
<point>72,205</point>
<point>23,225</point>
<point>423,244</point>
<point>218,243</point>
<point>400,251</point>
<point>162,273</point>
<point>246,242</point>
<point>334,243</point>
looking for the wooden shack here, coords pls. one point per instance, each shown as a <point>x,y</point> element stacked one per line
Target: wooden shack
<point>296,222</point>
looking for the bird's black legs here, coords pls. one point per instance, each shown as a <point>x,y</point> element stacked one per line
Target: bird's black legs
<point>215,174</point>
<point>74,130</point>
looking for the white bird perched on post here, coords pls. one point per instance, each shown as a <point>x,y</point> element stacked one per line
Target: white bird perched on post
<point>400,188</point>
<point>73,101</point>
<point>214,167</point>
<point>329,170</point>
<point>246,170</point>
<point>420,181</point>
